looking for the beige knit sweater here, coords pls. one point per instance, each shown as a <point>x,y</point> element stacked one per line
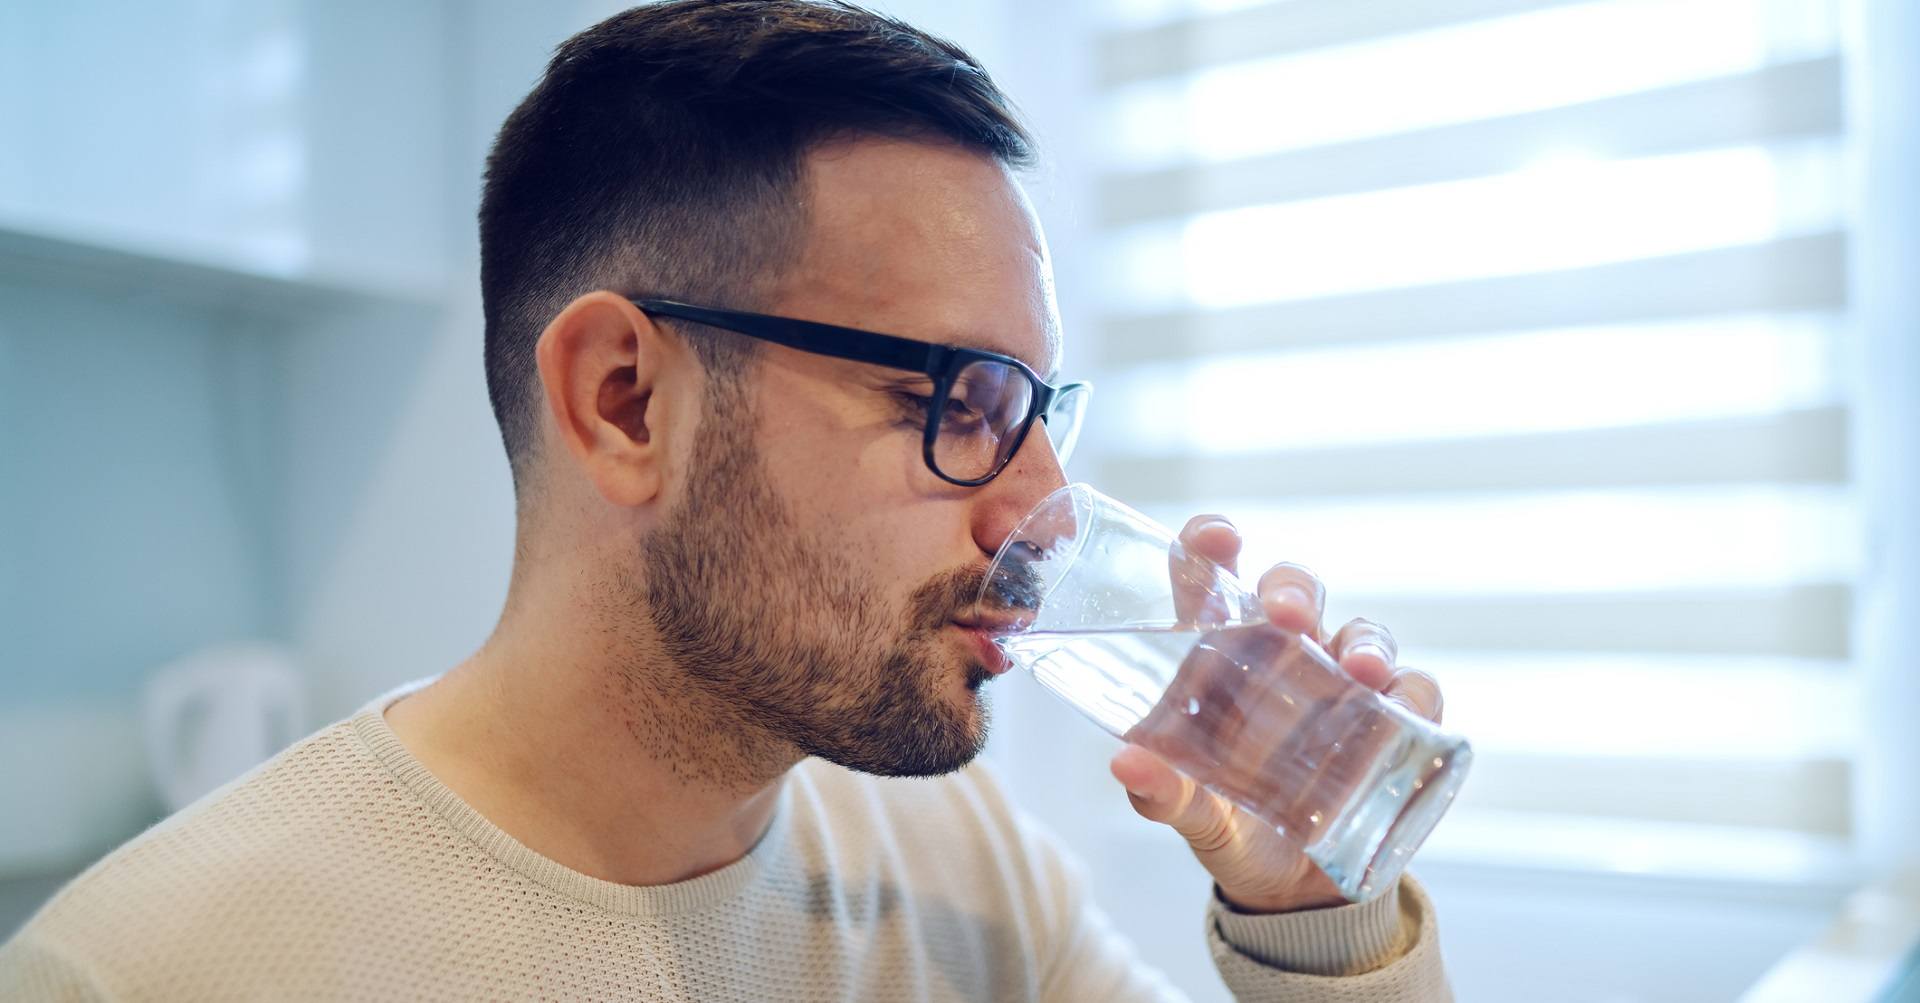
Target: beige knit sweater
<point>342,869</point>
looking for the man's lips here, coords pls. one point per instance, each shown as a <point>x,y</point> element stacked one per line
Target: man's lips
<point>990,654</point>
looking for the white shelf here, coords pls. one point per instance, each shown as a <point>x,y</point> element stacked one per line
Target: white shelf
<point>118,267</point>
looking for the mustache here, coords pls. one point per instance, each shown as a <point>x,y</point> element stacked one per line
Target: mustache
<point>1015,587</point>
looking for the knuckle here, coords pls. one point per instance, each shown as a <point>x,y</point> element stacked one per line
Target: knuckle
<point>1213,828</point>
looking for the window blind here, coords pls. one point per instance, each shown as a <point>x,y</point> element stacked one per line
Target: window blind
<point>1523,323</point>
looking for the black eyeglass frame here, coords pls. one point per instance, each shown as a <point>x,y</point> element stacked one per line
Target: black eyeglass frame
<point>942,363</point>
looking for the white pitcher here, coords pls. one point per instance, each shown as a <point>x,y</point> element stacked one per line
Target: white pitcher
<point>217,713</point>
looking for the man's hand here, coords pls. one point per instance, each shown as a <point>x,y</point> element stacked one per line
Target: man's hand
<point>1258,870</point>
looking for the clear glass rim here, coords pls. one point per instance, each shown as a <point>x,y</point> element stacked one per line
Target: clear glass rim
<point>1083,495</point>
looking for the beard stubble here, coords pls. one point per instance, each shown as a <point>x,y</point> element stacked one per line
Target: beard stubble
<point>776,626</point>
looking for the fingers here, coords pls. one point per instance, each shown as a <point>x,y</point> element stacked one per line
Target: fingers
<point>1206,541</point>
<point>1419,692</point>
<point>1367,652</point>
<point>1214,538</point>
<point>1162,794</point>
<point>1294,598</point>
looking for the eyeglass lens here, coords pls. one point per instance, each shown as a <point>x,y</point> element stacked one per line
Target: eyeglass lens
<point>982,415</point>
<point>1063,420</point>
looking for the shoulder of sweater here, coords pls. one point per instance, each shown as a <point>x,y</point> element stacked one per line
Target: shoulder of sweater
<point>260,835</point>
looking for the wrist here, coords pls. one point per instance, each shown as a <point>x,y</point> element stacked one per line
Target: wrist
<point>1269,904</point>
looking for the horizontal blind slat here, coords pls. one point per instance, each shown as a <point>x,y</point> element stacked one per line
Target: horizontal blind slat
<point>1789,100</point>
<point>1805,446</point>
<point>1795,273</point>
<point>1557,541</point>
<point>1808,795</point>
<point>1801,621</point>
<point>1279,28</point>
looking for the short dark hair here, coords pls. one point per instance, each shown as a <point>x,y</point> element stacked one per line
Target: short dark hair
<point>660,152</point>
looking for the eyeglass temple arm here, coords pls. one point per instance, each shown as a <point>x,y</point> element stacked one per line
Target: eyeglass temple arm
<point>826,339</point>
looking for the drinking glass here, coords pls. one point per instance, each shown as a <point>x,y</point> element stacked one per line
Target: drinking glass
<point>1165,649</point>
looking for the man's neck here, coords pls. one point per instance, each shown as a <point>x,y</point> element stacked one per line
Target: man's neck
<point>620,774</point>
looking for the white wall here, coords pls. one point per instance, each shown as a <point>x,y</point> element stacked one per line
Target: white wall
<point>401,516</point>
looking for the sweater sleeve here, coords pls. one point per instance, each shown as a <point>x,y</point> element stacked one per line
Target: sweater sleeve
<point>1383,951</point>
<point>32,970</point>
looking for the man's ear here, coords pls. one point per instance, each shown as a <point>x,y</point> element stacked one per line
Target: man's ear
<point>601,362</point>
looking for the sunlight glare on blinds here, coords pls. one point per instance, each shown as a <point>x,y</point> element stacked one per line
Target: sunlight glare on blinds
<point>1553,541</point>
<point>1536,381</point>
<point>1481,69</point>
<point>1781,707</point>
<point>1566,213</point>
<point>1527,328</point>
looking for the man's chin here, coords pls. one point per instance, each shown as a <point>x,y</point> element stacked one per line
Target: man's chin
<point>936,750</point>
<point>915,766</point>
<point>921,719</point>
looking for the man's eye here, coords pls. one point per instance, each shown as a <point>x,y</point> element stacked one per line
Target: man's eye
<point>956,413</point>
<point>913,406</point>
<point>961,418</point>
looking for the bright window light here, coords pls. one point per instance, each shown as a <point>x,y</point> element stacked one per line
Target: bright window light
<point>1710,707</point>
<point>1481,69</point>
<point>1564,213</point>
<point>1537,381</point>
<point>1553,541</point>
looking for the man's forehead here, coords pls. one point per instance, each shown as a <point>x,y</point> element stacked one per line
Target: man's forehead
<point>930,242</point>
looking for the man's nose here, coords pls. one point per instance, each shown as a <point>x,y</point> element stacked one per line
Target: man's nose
<point>1034,473</point>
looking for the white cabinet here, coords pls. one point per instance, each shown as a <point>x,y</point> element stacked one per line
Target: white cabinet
<point>295,139</point>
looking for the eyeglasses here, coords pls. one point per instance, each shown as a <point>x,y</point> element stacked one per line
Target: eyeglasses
<point>982,403</point>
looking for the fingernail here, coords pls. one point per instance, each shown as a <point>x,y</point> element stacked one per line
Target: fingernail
<point>1215,524</point>
<point>1366,648</point>
<point>1139,795</point>
<point>1292,595</point>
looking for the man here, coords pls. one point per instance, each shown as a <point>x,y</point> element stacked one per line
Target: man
<point>742,603</point>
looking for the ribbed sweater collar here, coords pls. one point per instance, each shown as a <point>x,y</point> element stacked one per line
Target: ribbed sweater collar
<point>703,892</point>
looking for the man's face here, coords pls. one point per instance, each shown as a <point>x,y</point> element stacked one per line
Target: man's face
<point>812,570</point>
